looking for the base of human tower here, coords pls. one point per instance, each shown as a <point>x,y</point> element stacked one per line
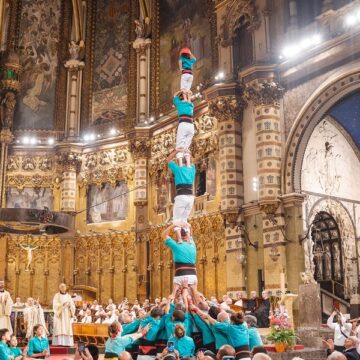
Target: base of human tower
<point>60,353</point>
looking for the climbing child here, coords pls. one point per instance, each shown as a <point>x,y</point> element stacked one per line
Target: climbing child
<point>185,130</point>
<point>186,62</point>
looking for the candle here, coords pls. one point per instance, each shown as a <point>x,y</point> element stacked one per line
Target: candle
<point>282,283</point>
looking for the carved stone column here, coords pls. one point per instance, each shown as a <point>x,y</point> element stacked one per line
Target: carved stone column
<point>70,163</point>
<point>74,83</point>
<point>142,47</point>
<point>265,95</point>
<point>9,88</point>
<point>228,111</point>
<point>139,147</point>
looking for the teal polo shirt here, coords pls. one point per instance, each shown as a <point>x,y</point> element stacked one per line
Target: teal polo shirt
<point>187,63</point>
<point>254,338</point>
<point>185,346</point>
<point>220,338</point>
<point>207,334</point>
<point>4,352</point>
<point>15,352</point>
<point>184,252</point>
<point>154,327</point>
<point>182,174</point>
<point>38,345</point>
<point>183,107</point>
<point>238,335</point>
<point>118,345</point>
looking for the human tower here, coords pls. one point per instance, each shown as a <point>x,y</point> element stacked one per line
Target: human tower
<point>179,162</point>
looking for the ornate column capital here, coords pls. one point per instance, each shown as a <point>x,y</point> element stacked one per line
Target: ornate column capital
<point>70,161</point>
<point>6,136</point>
<point>263,92</point>
<point>140,147</point>
<point>226,107</point>
<point>141,45</point>
<point>74,65</point>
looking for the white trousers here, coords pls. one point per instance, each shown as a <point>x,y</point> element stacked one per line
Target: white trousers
<point>186,81</point>
<point>184,136</point>
<point>182,208</point>
<point>191,279</point>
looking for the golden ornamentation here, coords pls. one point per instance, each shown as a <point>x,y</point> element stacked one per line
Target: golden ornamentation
<point>266,92</point>
<point>70,161</point>
<point>226,108</point>
<point>238,13</point>
<point>139,147</point>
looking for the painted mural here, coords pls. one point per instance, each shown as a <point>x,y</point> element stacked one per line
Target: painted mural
<point>113,210</point>
<point>111,60</point>
<point>39,38</point>
<point>211,177</point>
<point>29,198</point>
<point>186,24</point>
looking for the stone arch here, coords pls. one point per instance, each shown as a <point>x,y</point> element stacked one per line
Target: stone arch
<point>348,237</point>
<point>339,86</point>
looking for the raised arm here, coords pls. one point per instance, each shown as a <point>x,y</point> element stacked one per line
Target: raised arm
<point>206,317</point>
<point>171,156</point>
<point>330,321</point>
<point>167,231</point>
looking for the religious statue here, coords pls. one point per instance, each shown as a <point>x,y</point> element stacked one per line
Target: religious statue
<point>327,259</point>
<point>7,108</point>
<point>76,50</point>
<point>318,263</point>
<point>142,28</point>
<point>6,304</point>
<point>336,257</point>
<point>309,256</point>
<point>29,250</point>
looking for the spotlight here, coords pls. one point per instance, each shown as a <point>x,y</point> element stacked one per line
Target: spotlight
<point>86,137</point>
<point>92,137</point>
<point>98,135</point>
<point>113,131</point>
<point>316,39</point>
<point>25,140</point>
<point>255,184</point>
<point>152,118</point>
<point>220,75</point>
<point>32,141</point>
<point>161,114</point>
<point>350,20</point>
<point>51,141</point>
<point>18,141</point>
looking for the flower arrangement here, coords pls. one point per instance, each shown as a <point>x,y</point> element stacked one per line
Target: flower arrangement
<point>281,333</point>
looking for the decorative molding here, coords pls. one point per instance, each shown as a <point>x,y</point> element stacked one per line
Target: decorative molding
<point>225,108</point>
<point>139,147</point>
<point>238,13</point>
<point>264,92</point>
<point>20,181</point>
<point>70,161</point>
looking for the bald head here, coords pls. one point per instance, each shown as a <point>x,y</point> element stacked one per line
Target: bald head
<point>223,316</point>
<point>225,350</point>
<point>336,355</point>
<point>62,288</point>
<point>125,356</point>
<point>261,357</point>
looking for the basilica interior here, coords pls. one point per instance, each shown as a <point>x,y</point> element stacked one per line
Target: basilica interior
<point>87,123</point>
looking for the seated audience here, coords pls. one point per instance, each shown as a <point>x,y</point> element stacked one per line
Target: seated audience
<point>38,346</point>
<point>15,353</point>
<point>4,338</point>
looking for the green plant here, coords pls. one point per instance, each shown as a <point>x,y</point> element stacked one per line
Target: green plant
<point>283,336</point>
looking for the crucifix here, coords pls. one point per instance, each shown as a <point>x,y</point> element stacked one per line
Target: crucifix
<point>29,249</point>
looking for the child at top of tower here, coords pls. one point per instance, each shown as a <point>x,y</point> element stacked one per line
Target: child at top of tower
<point>186,62</point>
<point>185,130</point>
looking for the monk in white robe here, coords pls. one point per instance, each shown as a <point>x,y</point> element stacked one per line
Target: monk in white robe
<point>6,304</point>
<point>34,315</point>
<point>64,311</point>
